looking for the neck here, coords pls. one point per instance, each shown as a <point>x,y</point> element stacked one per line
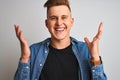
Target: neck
<point>60,44</point>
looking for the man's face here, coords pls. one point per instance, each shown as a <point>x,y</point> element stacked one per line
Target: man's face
<point>59,22</point>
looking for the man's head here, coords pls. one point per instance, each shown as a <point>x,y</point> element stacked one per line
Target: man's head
<point>59,20</point>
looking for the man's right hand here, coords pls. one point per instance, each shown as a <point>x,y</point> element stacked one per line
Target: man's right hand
<point>25,51</point>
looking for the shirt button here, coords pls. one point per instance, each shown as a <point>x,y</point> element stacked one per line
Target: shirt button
<point>40,64</point>
<point>27,67</point>
<point>47,43</point>
<point>45,51</point>
<point>93,70</point>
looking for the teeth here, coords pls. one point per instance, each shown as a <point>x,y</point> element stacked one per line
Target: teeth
<point>59,29</point>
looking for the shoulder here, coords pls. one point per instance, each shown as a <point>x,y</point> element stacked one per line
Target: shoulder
<point>40,44</point>
<point>81,47</point>
<point>78,43</point>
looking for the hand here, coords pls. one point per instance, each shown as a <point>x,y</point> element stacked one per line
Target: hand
<point>23,43</point>
<point>93,45</point>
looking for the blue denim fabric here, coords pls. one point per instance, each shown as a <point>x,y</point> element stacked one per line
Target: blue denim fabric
<point>39,52</point>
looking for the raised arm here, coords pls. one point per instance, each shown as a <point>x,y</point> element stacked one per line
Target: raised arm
<point>93,46</point>
<point>23,70</point>
<point>25,51</point>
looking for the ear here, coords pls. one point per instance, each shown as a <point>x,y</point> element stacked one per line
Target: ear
<point>46,23</point>
<point>72,21</point>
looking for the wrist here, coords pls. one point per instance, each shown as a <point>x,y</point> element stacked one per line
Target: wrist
<point>95,61</point>
<point>95,58</point>
<point>24,59</point>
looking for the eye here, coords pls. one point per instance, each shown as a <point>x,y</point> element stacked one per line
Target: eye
<point>64,17</point>
<point>52,18</point>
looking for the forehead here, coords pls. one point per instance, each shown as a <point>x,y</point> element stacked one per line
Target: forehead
<point>59,10</point>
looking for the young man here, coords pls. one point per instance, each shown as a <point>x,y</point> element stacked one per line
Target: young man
<point>60,57</point>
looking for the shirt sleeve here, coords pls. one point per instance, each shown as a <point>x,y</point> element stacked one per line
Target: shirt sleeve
<point>23,71</point>
<point>98,72</point>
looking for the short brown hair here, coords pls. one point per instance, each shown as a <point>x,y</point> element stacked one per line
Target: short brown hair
<point>51,3</point>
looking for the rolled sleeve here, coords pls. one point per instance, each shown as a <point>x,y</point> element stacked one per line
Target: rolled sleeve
<point>23,71</point>
<point>98,72</point>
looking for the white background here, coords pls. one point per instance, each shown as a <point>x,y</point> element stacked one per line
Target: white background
<point>30,15</point>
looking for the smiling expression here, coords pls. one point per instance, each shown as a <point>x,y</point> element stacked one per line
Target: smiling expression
<point>59,22</point>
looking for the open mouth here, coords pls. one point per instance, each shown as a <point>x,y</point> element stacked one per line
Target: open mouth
<point>60,29</point>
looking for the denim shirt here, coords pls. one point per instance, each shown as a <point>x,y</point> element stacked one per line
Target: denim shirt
<point>39,52</point>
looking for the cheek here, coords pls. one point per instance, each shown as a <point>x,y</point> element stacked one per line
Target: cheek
<point>69,24</point>
<point>51,23</point>
<point>50,26</point>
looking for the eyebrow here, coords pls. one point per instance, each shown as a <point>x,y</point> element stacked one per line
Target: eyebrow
<point>56,16</point>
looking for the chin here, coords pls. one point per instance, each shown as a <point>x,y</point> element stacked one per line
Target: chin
<point>61,37</point>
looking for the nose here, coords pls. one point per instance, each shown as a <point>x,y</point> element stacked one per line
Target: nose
<point>59,22</point>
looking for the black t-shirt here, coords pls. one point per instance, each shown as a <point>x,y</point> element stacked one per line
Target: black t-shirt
<point>61,64</point>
